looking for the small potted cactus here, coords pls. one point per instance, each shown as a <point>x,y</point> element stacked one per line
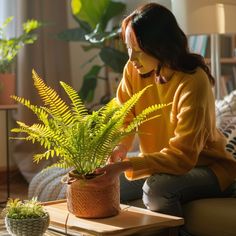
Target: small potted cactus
<point>25,218</point>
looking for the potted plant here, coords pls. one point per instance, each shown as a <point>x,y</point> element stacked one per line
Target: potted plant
<point>28,218</point>
<point>97,32</point>
<point>82,141</point>
<point>9,48</point>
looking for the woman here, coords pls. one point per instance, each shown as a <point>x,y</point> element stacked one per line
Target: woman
<point>183,154</point>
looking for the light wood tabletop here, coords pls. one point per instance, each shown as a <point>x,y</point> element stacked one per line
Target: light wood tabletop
<point>130,221</point>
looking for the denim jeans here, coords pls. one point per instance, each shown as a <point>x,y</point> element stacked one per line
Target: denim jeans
<point>166,193</point>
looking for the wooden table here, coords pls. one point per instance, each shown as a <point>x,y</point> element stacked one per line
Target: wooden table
<point>130,221</point>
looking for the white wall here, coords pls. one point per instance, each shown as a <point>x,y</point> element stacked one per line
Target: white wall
<point>132,4</point>
<point>7,8</point>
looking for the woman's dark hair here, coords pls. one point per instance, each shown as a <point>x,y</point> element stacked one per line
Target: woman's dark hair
<point>159,35</point>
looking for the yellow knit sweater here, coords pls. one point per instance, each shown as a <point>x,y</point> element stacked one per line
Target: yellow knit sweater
<point>185,135</point>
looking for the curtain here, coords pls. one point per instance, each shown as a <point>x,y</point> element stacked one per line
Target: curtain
<point>49,57</point>
<point>7,9</point>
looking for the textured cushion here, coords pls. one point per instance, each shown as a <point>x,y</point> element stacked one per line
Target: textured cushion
<point>47,185</point>
<point>226,106</point>
<point>227,126</point>
<point>211,217</point>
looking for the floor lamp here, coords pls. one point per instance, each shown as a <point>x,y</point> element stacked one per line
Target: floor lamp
<point>213,17</point>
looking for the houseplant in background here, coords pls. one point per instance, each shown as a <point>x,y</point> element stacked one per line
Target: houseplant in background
<point>28,218</point>
<point>9,48</point>
<point>95,32</point>
<point>82,141</point>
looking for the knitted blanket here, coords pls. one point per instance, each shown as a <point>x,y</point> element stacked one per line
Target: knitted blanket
<point>47,185</point>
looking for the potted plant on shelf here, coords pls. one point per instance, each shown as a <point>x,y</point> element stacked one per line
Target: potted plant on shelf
<point>9,48</point>
<point>28,218</point>
<point>82,141</point>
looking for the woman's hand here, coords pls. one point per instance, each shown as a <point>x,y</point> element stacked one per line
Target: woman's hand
<point>118,154</point>
<point>110,172</point>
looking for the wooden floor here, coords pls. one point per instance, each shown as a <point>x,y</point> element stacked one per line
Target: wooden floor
<point>18,188</point>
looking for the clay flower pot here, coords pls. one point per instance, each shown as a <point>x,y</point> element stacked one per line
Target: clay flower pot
<point>86,200</point>
<point>7,88</point>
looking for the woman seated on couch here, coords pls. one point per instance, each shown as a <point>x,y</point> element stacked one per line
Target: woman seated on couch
<point>183,155</point>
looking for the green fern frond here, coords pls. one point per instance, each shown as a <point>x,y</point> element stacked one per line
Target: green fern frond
<point>58,165</point>
<point>43,135</point>
<point>38,111</point>
<point>142,117</point>
<point>50,98</point>
<point>121,114</point>
<point>46,155</point>
<point>77,105</point>
<point>61,165</point>
<point>107,112</point>
<point>103,141</point>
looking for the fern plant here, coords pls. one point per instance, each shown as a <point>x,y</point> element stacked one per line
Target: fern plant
<point>81,140</point>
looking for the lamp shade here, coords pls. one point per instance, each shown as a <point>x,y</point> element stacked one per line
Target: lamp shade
<point>205,16</point>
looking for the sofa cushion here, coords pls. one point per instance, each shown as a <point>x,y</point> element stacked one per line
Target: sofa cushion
<point>227,125</point>
<point>226,106</point>
<point>211,217</point>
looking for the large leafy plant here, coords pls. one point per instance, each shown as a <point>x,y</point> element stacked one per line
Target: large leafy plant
<point>93,18</point>
<point>9,47</point>
<point>79,139</point>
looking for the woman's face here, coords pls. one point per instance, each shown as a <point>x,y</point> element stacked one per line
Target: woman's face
<point>143,62</point>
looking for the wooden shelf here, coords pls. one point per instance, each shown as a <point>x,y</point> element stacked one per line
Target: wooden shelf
<point>228,60</point>
<point>8,107</point>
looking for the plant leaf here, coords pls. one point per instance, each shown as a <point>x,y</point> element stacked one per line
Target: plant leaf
<point>75,34</point>
<point>113,9</point>
<point>114,58</point>
<point>57,107</point>
<point>89,84</point>
<point>89,11</point>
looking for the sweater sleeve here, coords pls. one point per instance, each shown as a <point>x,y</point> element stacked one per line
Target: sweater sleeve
<point>181,153</point>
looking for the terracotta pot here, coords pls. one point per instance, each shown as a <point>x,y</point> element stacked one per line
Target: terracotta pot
<point>86,200</point>
<point>7,88</point>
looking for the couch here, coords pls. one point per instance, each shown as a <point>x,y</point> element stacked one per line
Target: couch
<point>217,216</point>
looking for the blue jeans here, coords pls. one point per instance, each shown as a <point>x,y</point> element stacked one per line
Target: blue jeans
<point>166,193</point>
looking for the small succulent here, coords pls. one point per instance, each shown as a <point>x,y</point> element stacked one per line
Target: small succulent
<point>17,209</point>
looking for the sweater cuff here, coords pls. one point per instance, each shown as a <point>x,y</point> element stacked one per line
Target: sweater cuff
<point>140,168</point>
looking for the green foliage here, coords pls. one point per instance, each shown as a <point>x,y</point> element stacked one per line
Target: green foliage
<point>81,140</point>
<point>17,209</point>
<point>93,18</point>
<point>9,47</point>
